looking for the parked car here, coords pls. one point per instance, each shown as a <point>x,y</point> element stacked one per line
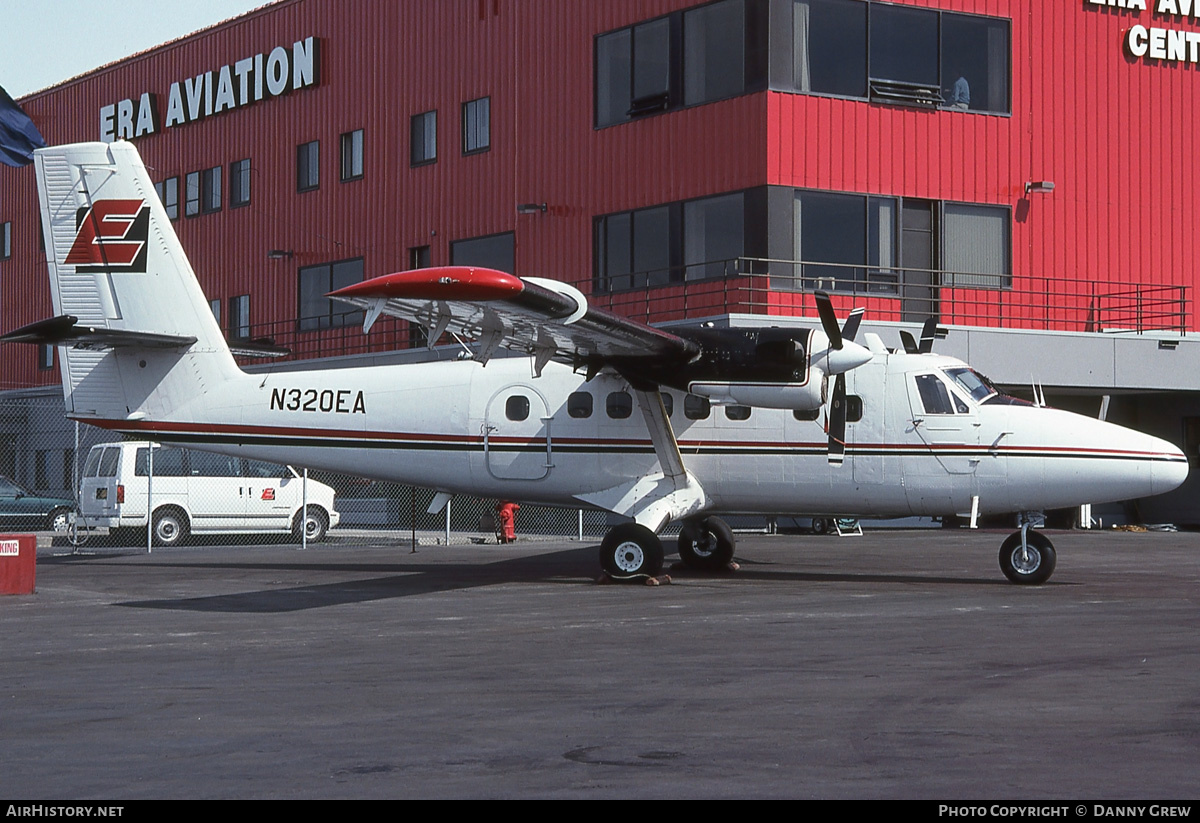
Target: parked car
<point>198,492</point>
<point>21,509</point>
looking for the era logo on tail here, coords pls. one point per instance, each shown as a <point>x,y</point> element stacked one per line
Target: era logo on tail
<point>111,236</point>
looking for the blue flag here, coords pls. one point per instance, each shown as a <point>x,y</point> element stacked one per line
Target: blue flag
<point>18,136</point>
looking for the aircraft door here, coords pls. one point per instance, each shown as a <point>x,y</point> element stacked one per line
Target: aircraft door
<point>516,435</point>
<point>945,422</point>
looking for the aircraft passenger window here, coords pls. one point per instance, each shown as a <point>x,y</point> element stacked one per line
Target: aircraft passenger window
<point>854,408</point>
<point>935,397</point>
<point>668,403</point>
<point>737,412</point>
<point>579,404</point>
<point>806,414</point>
<point>620,405</point>
<point>696,408</point>
<point>517,407</point>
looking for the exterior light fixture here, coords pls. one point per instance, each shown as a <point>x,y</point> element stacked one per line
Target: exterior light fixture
<point>1040,186</point>
<point>280,254</point>
<point>531,208</point>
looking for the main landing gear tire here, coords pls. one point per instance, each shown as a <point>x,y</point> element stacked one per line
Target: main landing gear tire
<point>1030,566</point>
<point>631,550</point>
<point>706,544</point>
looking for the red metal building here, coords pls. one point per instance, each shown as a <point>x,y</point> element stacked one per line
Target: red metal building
<point>997,163</point>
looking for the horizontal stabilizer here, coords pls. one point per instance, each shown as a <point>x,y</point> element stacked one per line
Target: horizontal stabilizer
<point>65,330</point>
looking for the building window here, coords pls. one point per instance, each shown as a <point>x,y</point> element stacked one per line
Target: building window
<point>168,194</point>
<point>868,243</point>
<point>896,54</point>
<point>239,316</point>
<point>215,305</point>
<point>713,236</point>
<point>419,257</point>
<point>687,58</point>
<point>203,192</point>
<point>317,311</point>
<point>352,155</point>
<point>693,240</point>
<point>45,356</point>
<point>424,138</point>
<point>239,183</point>
<point>191,206</point>
<point>308,166</point>
<point>5,240</point>
<point>496,251</point>
<point>476,125</point>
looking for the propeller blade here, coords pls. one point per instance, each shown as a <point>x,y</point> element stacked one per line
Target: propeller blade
<point>828,320</point>
<point>850,329</point>
<point>837,422</point>
<point>928,332</point>
<point>910,345</point>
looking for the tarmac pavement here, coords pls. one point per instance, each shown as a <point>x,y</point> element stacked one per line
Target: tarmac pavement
<point>900,664</point>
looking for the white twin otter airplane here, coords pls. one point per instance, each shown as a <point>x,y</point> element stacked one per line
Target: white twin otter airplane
<point>600,411</point>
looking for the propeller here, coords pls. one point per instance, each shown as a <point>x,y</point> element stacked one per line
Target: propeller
<point>929,332</point>
<point>841,340</point>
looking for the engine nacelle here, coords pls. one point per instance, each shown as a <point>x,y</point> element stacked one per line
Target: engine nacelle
<point>808,395</point>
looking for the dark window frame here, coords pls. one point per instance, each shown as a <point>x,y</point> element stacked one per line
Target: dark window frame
<point>308,166</point>
<point>352,145</point>
<point>239,183</point>
<point>6,240</point>
<point>168,194</point>
<point>647,98</point>
<point>239,317</point>
<point>879,87</point>
<point>423,151</point>
<point>477,126</point>
<point>335,314</point>
<point>871,274</point>
<point>457,247</point>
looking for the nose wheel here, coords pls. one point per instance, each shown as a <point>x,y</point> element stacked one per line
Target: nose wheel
<point>1027,557</point>
<point>631,550</point>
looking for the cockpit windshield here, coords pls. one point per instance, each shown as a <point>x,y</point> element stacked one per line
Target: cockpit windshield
<point>973,383</point>
<point>981,389</point>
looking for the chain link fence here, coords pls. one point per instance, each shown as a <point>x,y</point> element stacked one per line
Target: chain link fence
<point>84,485</point>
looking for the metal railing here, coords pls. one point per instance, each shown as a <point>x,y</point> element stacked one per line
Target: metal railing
<point>753,285</point>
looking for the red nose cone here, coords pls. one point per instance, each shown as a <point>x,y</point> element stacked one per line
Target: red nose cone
<point>442,283</point>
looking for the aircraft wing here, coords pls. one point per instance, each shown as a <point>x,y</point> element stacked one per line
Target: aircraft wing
<point>545,318</point>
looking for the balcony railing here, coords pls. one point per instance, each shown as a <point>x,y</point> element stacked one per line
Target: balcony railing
<point>759,286</point>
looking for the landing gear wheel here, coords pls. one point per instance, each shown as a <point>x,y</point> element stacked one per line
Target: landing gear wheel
<point>706,544</point>
<point>822,525</point>
<point>631,550</point>
<point>170,528</point>
<point>1029,566</point>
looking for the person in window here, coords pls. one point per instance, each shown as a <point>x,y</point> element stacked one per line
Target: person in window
<point>506,521</point>
<point>960,93</point>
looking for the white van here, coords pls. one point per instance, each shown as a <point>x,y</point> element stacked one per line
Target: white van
<point>198,492</point>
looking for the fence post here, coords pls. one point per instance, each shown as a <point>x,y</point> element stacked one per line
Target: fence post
<point>580,538</point>
<point>150,498</point>
<point>448,502</point>
<point>304,511</point>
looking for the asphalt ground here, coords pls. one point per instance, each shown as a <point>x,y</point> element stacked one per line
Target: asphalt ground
<point>894,665</point>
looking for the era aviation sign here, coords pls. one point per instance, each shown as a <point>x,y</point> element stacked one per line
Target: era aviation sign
<point>232,86</point>
<point>1155,42</point>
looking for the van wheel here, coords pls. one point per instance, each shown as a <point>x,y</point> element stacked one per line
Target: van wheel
<point>315,525</point>
<point>170,528</point>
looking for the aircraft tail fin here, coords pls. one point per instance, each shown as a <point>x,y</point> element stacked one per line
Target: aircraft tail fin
<point>131,319</point>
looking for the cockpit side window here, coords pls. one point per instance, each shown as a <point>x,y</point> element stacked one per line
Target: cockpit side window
<point>936,397</point>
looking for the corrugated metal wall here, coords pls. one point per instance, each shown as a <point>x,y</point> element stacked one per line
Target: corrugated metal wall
<point>1116,135</point>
